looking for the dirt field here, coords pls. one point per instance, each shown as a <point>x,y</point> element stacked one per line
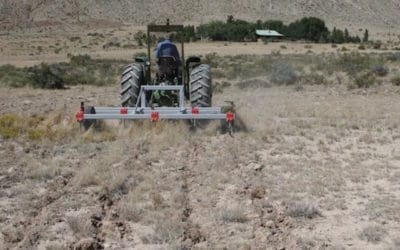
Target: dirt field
<point>318,167</point>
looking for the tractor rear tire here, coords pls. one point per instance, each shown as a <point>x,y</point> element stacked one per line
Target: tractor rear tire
<point>200,86</point>
<point>132,78</point>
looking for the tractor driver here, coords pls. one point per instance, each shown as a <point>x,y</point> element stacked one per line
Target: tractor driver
<point>168,60</point>
<point>167,48</point>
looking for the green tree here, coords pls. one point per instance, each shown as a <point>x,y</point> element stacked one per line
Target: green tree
<point>346,36</point>
<point>366,36</point>
<point>337,36</point>
<point>309,28</point>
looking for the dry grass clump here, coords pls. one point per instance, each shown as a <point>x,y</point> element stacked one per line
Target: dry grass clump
<point>254,83</point>
<point>128,211</point>
<point>88,176</point>
<point>41,171</point>
<point>53,127</point>
<point>235,214</point>
<point>106,134</point>
<point>80,226</point>
<point>372,234</point>
<point>303,209</point>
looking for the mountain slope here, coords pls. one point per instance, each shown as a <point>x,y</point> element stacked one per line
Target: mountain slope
<point>354,14</point>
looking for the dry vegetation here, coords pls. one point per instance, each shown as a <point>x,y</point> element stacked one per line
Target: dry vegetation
<point>317,166</point>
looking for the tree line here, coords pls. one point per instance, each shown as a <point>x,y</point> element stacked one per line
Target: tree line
<point>308,28</point>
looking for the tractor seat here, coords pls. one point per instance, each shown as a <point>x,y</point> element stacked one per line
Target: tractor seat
<point>167,65</point>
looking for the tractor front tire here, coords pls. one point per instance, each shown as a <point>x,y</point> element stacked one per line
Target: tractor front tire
<point>200,86</point>
<point>131,81</point>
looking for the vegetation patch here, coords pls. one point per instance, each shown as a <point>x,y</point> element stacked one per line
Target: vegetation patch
<point>283,73</point>
<point>308,28</point>
<point>81,69</point>
<point>363,80</point>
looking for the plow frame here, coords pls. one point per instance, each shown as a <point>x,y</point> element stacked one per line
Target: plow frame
<point>144,110</point>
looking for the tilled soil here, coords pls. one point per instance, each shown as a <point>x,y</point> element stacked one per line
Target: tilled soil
<point>316,168</point>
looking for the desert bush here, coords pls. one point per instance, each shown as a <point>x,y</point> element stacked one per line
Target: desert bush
<point>313,79</point>
<point>140,38</point>
<point>377,45</point>
<point>393,57</point>
<point>283,73</point>
<point>363,80</point>
<point>12,76</point>
<point>303,209</point>
<point>395,80</point>
<point>361,47</point>
<point>379,70</point>
<point>46,77</point>
<point>81,69</point>
<point>355,62</point>
<point>111,44</point>
<point>212,59</point>
<point>57,50</point>
<point>74,38</point>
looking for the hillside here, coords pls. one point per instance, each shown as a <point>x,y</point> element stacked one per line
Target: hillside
<point>354,14</point>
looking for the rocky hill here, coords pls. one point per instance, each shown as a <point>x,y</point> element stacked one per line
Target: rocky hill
<point>353,14</point>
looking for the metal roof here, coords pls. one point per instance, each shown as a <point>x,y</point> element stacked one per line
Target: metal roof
<point>268,33</point>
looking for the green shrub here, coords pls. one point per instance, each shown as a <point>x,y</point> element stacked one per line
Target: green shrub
<point>47,77</point>
<point>12,76</point>
<point>80,60</point>
<point>81,69</point>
